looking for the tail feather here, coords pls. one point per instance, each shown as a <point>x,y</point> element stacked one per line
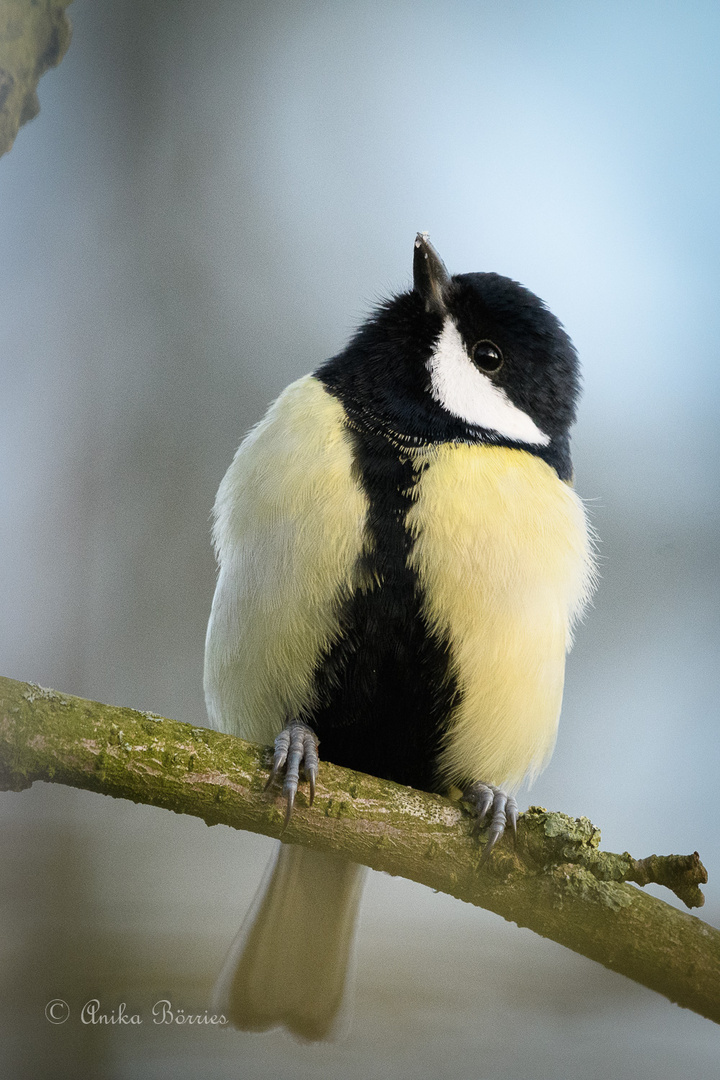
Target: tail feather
<point>288,965</point>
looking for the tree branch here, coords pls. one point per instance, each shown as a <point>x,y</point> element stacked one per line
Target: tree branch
<point>34,36</point>
<point>556,882</point>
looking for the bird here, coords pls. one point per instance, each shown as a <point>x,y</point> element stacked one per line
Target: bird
<point>402,560</point>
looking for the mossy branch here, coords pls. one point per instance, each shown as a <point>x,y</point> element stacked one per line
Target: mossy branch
<point>556,881</point>
<point>34,36</point>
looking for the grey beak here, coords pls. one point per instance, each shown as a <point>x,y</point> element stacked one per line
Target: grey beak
<point>430,277</point>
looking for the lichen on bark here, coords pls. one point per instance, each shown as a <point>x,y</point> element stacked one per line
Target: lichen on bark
<point>556,880</point>
<point>34,36</point>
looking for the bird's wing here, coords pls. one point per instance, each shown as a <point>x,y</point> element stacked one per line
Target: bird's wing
<point>289,527</point>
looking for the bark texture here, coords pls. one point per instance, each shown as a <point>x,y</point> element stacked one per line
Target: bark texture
<point>556,881</point>
<point>34,36</point>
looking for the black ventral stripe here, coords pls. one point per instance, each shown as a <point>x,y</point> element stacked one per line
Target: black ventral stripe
<point>384,688</point>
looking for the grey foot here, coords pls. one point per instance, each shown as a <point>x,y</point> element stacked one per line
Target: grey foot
<point>295,746</point>
<point>485,797</point>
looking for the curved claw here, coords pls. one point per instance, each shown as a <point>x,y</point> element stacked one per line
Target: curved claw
<point>512,813</point>
<point>504,809</point>
<point>497,824</point>
<point>282,745</point>
<point>485,798</point>
<point>295,747</point>
<point>311,762</point>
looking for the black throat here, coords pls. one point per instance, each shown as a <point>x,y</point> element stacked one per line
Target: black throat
<point>413,418</point>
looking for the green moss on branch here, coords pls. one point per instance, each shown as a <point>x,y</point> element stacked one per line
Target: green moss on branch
<point>556,881</point>
<point>34,36</point>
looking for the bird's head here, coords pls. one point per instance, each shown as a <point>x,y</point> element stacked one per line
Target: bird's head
<point>470,358</point>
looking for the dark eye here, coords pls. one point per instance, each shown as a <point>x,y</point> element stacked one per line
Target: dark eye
<point>487,356</point>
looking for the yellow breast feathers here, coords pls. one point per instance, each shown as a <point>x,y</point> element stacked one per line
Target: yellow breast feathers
<point>504,558</point>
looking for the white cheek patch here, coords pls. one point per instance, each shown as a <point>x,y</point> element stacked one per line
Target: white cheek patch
<point>464,391</point>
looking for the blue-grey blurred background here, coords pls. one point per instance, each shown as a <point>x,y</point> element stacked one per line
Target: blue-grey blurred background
<point>211,199</point>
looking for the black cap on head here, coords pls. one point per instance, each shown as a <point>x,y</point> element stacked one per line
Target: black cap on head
<point>384,375</point>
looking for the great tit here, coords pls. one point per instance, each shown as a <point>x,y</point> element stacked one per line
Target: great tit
<point>402,558</point>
